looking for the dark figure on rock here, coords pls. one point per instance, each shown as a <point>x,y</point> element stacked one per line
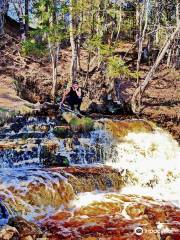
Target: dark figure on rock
<point>73,96</point>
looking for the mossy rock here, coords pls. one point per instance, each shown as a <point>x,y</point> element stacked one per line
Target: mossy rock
<point>56,161</point>
<point>61,132</point>
<point>84,124</point>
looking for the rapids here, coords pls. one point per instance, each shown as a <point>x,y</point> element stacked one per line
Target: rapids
<point>143,157</point>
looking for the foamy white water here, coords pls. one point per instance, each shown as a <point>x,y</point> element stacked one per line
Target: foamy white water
<point>154,160</point>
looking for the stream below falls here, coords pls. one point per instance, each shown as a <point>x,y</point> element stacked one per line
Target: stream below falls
<point>120,177</point>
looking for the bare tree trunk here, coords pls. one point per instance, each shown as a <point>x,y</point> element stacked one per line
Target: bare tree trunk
<point>88,66</point>
<point>89,53</point>
<point>138,25</point>
<point>1,24</point>
<point>74,47</point>
<point>140,90</point>
<point>3,10</point>
<point>141,39</point>
<point>54,51</point>
<point>19,11</point>
<point>26,17</point>
<point>54,75</point>
<point>119,22</point>
<point>169,58</point>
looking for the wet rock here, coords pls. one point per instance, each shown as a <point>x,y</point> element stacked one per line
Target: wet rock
<point>34,191</point>
<point>49,109</point>
<point>4,214</point>
<point>9,233</point>
<point>27,135</point>
<point>135,210</point>
<point>68,116</point>
<point>106,218</point>
<point>27,238</point>
<point>84,179</point>
<point>50,156</point>
<point>97,108</point>
<point>110,107</point>
<point>39,128</point>
<point>84,124</point>
<point>27,230</point>
<point>56,161</point>
<point>62,132</point>
<point>48,151</point>
<point>122,128</point>
<point>18,124</point>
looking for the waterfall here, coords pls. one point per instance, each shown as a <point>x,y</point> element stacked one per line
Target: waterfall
<point>153,159</point>
<point>111,169</point>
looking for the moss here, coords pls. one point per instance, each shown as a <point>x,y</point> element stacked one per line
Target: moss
<point>84,124</point>
<point>62,132</point>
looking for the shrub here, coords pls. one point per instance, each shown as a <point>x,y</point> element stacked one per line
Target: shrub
<point>31,47</point>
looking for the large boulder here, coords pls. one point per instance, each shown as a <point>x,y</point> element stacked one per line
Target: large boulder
<point>27,230</point>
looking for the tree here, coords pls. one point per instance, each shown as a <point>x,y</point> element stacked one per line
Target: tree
<point>140,90</point>
<point>3,11</point>
<point>73,38</point>
<point>18,6</point>
<point>51,28</point>
<point>26,11</point>
<point>144,16</point>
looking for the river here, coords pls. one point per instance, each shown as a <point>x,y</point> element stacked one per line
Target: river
<point>116,178</point>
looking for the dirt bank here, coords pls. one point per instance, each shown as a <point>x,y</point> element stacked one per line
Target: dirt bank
<point>25,80</point>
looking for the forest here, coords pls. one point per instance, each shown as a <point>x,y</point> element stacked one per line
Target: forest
<point>89,119</point>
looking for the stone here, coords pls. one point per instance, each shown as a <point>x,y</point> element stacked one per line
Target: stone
<point>27,230</point>
<point>107,219</point>
<point>122,128</point>
<point>62,131</point>
<point>135,210</point>
<point>27,238</point>
<point>68,116</point>
<point>85,104</point>
<point>9,233</point>
<point>4,214</point>
<point>97,108</point>
<point>83,124</point>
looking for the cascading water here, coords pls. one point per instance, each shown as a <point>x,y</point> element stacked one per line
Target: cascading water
<point>153,158</point>
<point>28,141</point>
<point>146,159</point>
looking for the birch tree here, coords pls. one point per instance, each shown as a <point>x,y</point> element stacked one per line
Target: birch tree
<point>142,34</point>
<point>135,102</point>
<point>73,39</point>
